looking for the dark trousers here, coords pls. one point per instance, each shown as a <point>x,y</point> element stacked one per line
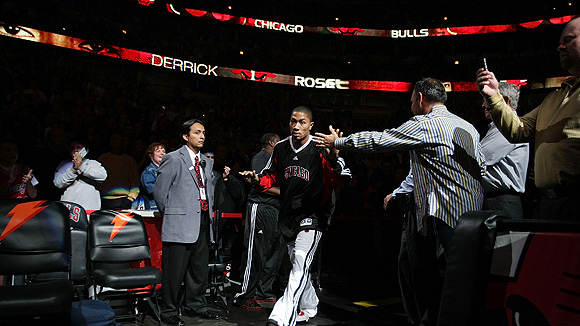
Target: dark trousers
<point>421,268</point>
<point>259,261</point>
<point>188,263</point>
<point>562,208</point>
<point>510,204</point>
<point>116,204</point>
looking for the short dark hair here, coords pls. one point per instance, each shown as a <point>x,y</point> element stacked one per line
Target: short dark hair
<point>267,138</point>
<point>81,141</point>
<point>186,127</point>
<point>432,89</point>
<point>304,110</point>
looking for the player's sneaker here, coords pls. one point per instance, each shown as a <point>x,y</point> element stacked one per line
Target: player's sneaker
<point>303,317</point>
<point>248,304</point>
<point>271,299</point>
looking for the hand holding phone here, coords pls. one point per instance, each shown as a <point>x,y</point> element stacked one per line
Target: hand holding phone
<point>83,152</point>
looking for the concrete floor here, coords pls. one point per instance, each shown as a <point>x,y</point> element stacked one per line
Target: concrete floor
<point>333,309</point>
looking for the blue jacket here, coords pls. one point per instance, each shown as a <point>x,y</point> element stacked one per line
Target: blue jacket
<point>148,178</point>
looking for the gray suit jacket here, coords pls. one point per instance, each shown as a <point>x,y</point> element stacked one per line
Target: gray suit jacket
<point>176,193</point>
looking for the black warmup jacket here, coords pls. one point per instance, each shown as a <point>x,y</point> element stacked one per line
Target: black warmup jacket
<point>307,178</point>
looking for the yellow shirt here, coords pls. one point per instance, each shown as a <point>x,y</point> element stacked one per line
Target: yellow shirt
<point>554,126</point>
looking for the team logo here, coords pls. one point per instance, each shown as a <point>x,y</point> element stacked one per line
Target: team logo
<point>297,171</point>
<point>253,75</point>
<point>196,13</point>
<point>75,213</point>
<point>306,222</point>
<point>221,17</point>
<point>145,2</point>
<point>347,30</point>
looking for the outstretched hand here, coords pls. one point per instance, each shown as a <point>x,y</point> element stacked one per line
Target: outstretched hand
<point>250,176</point>
<point>327,141</point>
<point>387,200</point>
<point>487,84</point>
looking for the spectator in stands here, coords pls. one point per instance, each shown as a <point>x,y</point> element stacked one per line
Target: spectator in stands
<point>47,158</point>
<point>16,179</point>
<point>79,178</point>
<point>122,185</point>
<point>155,151</point>
<point>554,128</point>
<point>504,180</point>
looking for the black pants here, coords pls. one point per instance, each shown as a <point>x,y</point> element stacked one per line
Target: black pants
<point>116,204</point>
<point>421,267</point>
<point>510,204</point>
<point>563,208</point>
<point>188,263</point>
<point>261,241</point>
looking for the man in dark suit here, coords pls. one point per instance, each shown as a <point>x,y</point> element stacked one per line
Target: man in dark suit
<point>182,192</point>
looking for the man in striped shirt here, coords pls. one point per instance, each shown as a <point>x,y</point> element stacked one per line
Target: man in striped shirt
<point>447,165</point>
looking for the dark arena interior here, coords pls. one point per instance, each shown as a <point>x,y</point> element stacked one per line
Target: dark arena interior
<point>87,70</point>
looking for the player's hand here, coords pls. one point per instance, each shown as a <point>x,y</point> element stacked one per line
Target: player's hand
<point>326,141</point>
<point>387,200</point>
<point>250,176</point>
<point>487,84</point>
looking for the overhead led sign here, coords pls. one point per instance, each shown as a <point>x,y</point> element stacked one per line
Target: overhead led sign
<point>206,69</point>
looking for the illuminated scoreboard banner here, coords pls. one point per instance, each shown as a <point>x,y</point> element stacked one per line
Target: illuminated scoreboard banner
<point>206,69</point>
<point>393,33</point>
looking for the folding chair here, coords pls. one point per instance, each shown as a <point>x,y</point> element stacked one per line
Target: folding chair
<point>35,239</point>
<point>118,244</point>
<point>79,224</point>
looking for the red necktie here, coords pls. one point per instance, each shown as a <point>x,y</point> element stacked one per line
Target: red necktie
<point>203,202</point>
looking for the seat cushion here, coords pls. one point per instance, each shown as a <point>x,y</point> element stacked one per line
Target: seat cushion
<point>36,299</point>
<point>127,278</point>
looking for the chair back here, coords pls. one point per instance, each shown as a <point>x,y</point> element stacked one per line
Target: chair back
<point>79,224</point>
<point>35,237</point>
<point>117,237</point>
<point>77,214</point>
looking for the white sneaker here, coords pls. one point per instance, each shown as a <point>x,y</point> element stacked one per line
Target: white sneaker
<point>303,318</point>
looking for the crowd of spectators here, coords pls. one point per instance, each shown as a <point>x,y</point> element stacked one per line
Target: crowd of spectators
<point>53,97</point>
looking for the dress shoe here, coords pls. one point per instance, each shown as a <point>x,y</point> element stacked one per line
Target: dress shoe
<point>203,314</point>
<point>173,320</point>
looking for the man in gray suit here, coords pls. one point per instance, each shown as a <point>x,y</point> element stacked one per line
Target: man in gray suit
<point>182,192</point>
